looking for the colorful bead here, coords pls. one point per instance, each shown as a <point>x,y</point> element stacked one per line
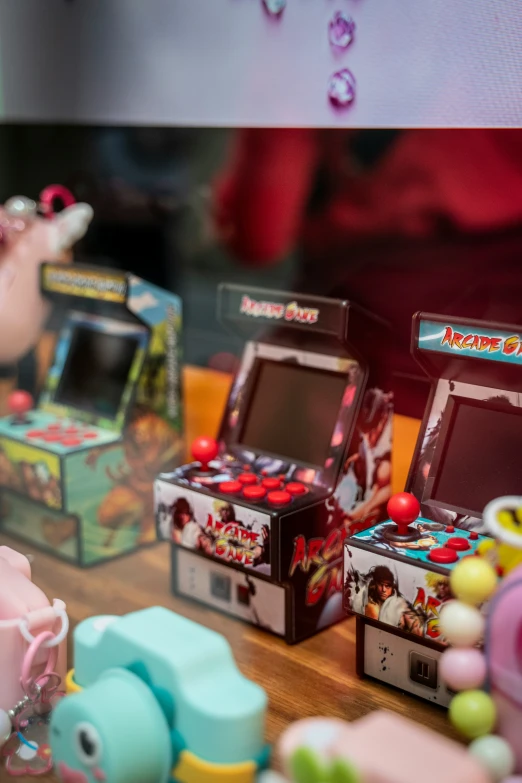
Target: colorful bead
<point>341,771</point>
<point>461,625</point>
<point>307,767</point>
<point>473,713</point>
<point>473,580</point>
<point>495,755</point>
<point>463,668</point>
<point>305,764</point>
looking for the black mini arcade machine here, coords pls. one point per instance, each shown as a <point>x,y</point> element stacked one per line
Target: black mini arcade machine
<point>258,521</point>
<point>468,453</point>
<point>77,471</point>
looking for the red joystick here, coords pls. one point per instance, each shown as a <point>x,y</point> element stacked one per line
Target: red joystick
<point>20,403</point>
<point>204,450</point>
<point>403,508</point>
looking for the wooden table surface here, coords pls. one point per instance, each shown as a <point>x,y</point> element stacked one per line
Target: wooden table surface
<point>316,677</point>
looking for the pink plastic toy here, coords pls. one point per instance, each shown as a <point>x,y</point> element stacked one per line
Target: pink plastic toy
<point>24,613</point>
<point>379,748</point>
<point>26,240</point>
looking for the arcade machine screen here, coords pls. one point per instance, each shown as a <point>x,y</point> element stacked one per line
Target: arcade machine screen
<point>96,371</point>
<point>479,457</point>
<point>292,412</point>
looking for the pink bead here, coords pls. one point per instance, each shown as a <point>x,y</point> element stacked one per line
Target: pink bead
<point>463,668</point>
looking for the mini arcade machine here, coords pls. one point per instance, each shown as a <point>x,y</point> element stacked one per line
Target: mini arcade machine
<point>257,521</point>
<point>77,470</point>
<point>468,453</point>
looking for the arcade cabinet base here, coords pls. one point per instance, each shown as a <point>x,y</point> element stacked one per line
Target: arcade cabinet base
<point>397,659</point>
<point>252,598</point>
<point>234,592</point>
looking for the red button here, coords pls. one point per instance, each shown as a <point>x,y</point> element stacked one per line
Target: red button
<point>247,467</point>
<point>89,435</point>
<point>296,488</point>
<point>473,536</point>
<point>282,476</point>
<point>230,487</point>
<point>54,427</point>
<point>279,498</point>
<point>52,437</point>
<point>458,544</point>
<point>443,555</point>
<point>71,442</point>
<point>271,483</point>
<point>450,529</point>
<point>256,492</point>
<point>247,478</point>
<point>71,430</point>
<point>34,434</point>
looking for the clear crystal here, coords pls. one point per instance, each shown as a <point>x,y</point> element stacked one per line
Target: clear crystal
<point>341,30</point>
<point>274,7</point>
<point>341,88</point>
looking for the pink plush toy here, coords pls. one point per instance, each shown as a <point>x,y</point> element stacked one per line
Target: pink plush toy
<point>29,235</point>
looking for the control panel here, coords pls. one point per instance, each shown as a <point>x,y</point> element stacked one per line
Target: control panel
<point>243,483</point>
<point>412,537</point>
<point>45,430</point>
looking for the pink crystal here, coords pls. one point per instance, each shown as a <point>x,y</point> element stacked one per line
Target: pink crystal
<point>341,88</point>
<point>274,7</point>
<point>341,30</point>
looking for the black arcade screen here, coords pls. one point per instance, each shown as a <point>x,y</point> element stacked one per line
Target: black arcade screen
<point>96,371</point>
<point>481,455</point>
<point>292,412</point>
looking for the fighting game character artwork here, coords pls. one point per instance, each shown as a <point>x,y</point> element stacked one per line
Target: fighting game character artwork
<point>231,533</point>
<point>411,604</point>
<point>148,447</point>
<point>365,487</point>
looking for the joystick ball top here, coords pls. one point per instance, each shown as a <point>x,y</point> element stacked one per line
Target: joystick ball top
<point>204,450</point>
<point>20,402</point>
<point>403,508</point>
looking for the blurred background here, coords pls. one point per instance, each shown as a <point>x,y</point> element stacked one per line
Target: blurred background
<point>397,221</point>
<point>150,190</point>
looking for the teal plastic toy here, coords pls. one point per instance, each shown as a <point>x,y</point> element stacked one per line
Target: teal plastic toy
<point>158,698</point>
